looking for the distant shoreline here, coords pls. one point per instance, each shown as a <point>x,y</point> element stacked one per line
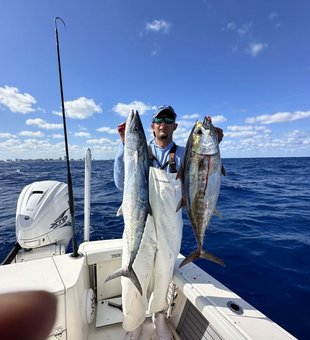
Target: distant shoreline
<point>80,159</point>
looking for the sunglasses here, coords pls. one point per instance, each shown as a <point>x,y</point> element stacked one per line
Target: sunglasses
<point>166,119</point>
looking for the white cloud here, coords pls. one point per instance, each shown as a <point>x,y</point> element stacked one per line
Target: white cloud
<point>244,29</point>
<point>253,141</point>
<point>156,51</point>
<point>15,101</point>
<point>261,128</point>
<point>34,148</point>
<point>158,26</point>
<point>43,124</point>
<point>35,143</point>
<point>81,108</point>
<point>279,117</point>
<point>56,136</point>
<point>240,134</point>
<point>249,128</point>
<point>306,141</point>
<point>82,134</point>
<point>181,133</point>
<point>273,15</point>
<point>218,119</point>
<point>40,109</point>
<point>9,144</point>
<point>104,150</point>
<point>231,26</point>
<point>239,128</point>
<point>102,141</point>
<point>124,109</point>
<point>7,135</point>
<point>255,48</point>
<point>215,120</point>
<point>107,129</point>
<point>247,131</point>
<point>32,134</point>
<point>295,133</point>
<point>186,123</point>
<point>193,116</point>
<point>245,33</point>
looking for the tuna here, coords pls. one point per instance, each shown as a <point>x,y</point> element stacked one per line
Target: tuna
<point>200,176</point>
<point>135,206</point>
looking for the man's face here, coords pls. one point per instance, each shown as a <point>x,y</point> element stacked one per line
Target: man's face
<point>163,130</point>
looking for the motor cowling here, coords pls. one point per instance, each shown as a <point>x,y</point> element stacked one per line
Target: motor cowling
<point>43,215</point>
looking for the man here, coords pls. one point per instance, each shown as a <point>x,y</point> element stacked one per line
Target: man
<point>162,236</point>
<point>160,145</point>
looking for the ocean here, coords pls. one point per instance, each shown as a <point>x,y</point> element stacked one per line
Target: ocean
<point>264,237</point>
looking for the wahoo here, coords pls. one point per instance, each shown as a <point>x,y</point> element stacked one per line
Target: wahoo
<point>200,176</point>
<point>135,206</point>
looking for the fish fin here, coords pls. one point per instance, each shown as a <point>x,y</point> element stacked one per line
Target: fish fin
<point>217,213</point>
<point>126,272</point>
<point>223,171</point>
<point>119,211</point>
<point>180,205</point>
<point>179,173</point>
<point>149,209</point>
<point>201,254</point>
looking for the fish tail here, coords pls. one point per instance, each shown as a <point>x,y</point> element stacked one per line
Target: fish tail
<point>208,256</point>
<point>201,254</point>
<point>126,272</point>
<point>193,256</point>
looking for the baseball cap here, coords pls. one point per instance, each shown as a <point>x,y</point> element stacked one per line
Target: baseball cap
<point>162,108</point>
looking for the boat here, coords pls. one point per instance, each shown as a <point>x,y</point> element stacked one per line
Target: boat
<point>200,307</point>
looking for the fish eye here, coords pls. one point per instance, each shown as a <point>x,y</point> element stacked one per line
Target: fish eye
<point>199,132</point>
<point>135,129</point>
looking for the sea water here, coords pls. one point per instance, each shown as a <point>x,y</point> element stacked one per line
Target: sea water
<point>264,237</point>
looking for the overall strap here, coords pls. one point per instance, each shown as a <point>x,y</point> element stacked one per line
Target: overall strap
<point>151,156</point>
<point>171,160</point>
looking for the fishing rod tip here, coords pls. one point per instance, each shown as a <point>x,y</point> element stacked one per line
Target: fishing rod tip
<point>60,20</point>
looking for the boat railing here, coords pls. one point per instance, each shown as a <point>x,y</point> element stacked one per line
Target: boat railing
<point>87,194</point>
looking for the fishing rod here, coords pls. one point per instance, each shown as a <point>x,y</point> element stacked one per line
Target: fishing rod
<point>70,188</point>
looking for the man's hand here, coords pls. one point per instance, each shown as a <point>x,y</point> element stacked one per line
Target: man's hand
<point>27,315</point>
<point>219,131</point>
<point>121,130</point>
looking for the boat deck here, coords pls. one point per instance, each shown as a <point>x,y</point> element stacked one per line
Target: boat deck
<point>116,332</point>
<point>108,323</point>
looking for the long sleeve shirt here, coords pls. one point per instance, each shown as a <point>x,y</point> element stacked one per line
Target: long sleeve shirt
<point>162,155</point>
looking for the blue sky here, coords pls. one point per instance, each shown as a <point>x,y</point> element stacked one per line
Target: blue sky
<point>245,63</point>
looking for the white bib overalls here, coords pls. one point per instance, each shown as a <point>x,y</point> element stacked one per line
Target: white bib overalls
<point>158,251</point>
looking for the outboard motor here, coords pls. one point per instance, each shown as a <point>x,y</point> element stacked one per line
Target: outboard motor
<point>43,221</point>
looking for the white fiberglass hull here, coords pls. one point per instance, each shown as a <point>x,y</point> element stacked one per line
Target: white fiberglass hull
<point>200,306</point>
